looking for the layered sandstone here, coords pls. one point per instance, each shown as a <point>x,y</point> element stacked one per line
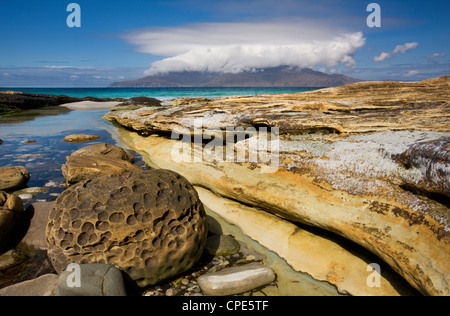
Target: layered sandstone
<point>367,161</point>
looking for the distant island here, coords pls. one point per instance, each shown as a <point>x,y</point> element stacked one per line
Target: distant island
<point>283,76</point>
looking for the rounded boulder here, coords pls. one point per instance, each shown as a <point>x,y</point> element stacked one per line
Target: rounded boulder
<point>151,224</point>
<point>11,208</point>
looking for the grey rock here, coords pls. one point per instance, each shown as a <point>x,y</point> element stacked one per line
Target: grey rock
<point>44,285</point>
<point>236,280</point>
<point>35,236</point>
<point>96,279</point>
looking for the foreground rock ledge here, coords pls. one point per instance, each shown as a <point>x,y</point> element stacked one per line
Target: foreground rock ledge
<point>348,163</point>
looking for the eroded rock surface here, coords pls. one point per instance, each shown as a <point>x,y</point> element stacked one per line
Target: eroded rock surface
<point>364,161</point>
<point>151,224</point>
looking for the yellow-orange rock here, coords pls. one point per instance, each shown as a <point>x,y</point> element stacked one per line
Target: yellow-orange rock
<point>348,162</point>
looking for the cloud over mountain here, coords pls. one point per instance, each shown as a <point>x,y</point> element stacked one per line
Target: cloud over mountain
<point>237,47</point>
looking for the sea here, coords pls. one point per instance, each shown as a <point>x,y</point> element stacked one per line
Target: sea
<point>34,138</point>
<point>158,93</point>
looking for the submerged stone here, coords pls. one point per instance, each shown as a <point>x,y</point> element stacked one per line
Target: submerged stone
<point>222,245</point>
<point>80,138</point>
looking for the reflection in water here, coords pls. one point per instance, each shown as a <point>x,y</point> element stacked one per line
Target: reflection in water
<point>44,157</point>
<point>29,115</point>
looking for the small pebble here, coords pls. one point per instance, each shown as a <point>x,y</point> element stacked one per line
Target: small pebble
<point>26,197</point>
<point>50,184</point>
<point>185,282</point>
<point>170,292</point>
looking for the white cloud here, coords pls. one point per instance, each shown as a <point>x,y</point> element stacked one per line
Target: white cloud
<point>411,73</point>
<point>398,49</point>
<point>382,57</point>
<point>435,55</point>
<point>235,47</point>
<point>404,48</point>
<point>432,58</point>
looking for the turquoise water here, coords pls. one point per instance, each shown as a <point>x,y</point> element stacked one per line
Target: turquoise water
<point>45,156</point>
<point>158,93</point>
<point>47,152</point>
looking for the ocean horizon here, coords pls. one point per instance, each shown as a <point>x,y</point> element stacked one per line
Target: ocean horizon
<point>159,93</point>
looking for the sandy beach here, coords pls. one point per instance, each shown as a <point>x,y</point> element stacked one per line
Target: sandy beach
<point>90,105</point>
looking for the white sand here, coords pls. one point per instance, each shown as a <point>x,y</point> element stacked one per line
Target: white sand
<point>90,105</point>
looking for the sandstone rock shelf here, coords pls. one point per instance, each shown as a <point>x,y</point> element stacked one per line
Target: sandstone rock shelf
<point>367,161</point>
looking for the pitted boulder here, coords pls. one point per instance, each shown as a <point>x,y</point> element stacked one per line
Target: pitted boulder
<point>151,224</point>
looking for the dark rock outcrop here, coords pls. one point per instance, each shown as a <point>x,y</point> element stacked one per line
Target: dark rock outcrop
<point>10,101</point>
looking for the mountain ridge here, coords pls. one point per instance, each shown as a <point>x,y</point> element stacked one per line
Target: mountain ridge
<point>283,76</point>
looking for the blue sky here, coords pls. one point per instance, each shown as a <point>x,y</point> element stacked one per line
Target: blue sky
<point>122,40</point>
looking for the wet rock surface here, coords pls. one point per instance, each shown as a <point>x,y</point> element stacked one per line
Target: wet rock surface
<point>340,154</point>
<point>151,224</point>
